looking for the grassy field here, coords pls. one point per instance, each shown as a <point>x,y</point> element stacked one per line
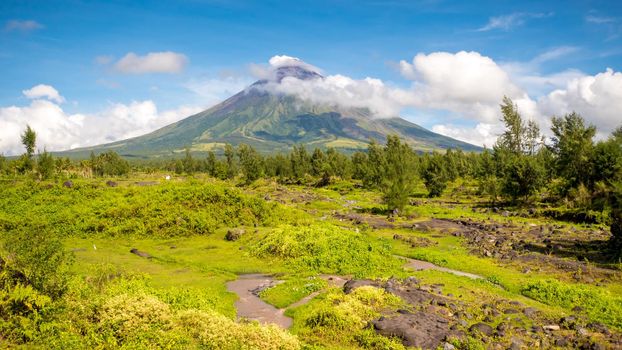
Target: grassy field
<point>178,297</point>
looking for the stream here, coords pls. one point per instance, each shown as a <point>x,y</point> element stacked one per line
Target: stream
<point>250,306</point>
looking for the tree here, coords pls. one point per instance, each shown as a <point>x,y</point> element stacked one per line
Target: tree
<point>435,175</point>
<point>251,163</point>
<point>374,168</point>
<point>3,164</point>
<point>232,169</point>
<point>359,164</point>
<point>109,164</point>
<point>46,165</point>
<point>513,137</point>
<point>300,162</point>
<point>533,138</point>
<point>29,139</point>
<point>188,163</point>
<point>317,162</point>
<point>524,176</point>
<point>398,173</point>
<point>573,145</point>
<point>488,182</point>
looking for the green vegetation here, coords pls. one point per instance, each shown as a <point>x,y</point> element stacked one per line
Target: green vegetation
<point>292,290</point>
<point>111,253</point>
<point>328,249</point>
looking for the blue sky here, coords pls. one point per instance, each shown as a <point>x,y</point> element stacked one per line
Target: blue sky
<point>76,46</point>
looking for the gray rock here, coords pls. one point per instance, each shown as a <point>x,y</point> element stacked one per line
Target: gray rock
<point>530,312</point>
<point>482,328</point>
<point>234,234</point>
<point>448,346</point>
<point>139,253</point>
<point>351,285</point>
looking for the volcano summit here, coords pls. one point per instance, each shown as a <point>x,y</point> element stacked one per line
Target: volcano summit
<point>271,119</point>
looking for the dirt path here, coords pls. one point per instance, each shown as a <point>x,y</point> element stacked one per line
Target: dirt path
<point>250,306</point>
<point>419,265</point>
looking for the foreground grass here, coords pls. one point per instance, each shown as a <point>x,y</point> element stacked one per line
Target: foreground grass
<point>182,286</point>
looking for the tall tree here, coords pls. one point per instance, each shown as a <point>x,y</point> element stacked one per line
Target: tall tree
<point>232,169</point>
<point>46,165</point>
<point>375,166</point>
<point>435,175</point>
<point>513,137</point>
<point>398,173</point>
<point>573,145</point>
<point>29,139</point>
<point>250,162</point>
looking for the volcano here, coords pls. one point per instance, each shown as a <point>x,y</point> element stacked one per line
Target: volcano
<point>273,122</point>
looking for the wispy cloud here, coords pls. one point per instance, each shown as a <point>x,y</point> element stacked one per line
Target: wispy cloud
<point>554,53</point>
<point>598,19</point>
<point>507,22</point>
<point>22,25</point>
<point>153,62</point>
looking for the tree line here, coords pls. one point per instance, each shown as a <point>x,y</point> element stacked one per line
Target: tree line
<point>523,167</point>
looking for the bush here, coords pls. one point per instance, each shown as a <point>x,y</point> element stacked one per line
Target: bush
<point>38,259</point>
<point>214,331</point>
<point>599,304</point>
<point>329,249</point>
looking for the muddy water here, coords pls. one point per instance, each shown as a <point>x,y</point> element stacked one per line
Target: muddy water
<point>250,306</point>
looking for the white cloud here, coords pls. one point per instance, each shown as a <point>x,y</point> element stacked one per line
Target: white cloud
<point>597,98</point>
<point>153,62</point>
<point>288,61</point>
<point>465,82</point>
<point>483,134</point>
<point>471,86</point>
<point>58,130</point>
<point>510,21</point>
<point>22,26</point>
<point>43,90</point>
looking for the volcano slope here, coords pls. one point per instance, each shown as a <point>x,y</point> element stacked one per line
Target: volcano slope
<point>272,121</point>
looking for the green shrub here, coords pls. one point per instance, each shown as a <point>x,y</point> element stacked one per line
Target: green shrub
<point>292,290</point>
<point>36,258</point>
<point>214,331</point>
<point>329,249</point>
<point>599,304</point>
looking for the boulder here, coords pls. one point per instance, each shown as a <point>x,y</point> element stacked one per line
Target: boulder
<point>68,184</point>
<point>111,183</point>
<point>482,328</point>
<point>140,253</point>
<point>351,285</point>
<point>234,234</point>
<point>419,329</point>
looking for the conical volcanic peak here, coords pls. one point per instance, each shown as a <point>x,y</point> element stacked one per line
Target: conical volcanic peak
<point>295,72</point>
<point>271,120</point>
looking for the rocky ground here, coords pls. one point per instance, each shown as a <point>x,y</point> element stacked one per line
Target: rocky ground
<point>434,319</point>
